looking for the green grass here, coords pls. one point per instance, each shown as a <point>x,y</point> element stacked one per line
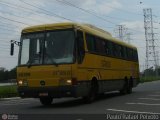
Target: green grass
<point>8,91</point>
<point>149,79</point>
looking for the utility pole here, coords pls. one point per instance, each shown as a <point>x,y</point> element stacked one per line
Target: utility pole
<point>151,60</point>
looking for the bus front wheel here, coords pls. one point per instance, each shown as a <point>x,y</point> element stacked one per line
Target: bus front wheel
<point>46,100</point>
<point>92,93</point>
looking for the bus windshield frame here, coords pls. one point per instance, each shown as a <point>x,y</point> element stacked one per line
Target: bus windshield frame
<point>51,47</point>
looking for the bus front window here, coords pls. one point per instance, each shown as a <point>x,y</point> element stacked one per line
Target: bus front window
<point>53,47</point>
<point>59,46</point>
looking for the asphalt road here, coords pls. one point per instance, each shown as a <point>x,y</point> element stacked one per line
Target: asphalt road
<point>143,103</point>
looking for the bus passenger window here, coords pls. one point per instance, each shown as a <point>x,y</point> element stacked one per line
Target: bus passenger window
<point>90,43</point>
<point>100,46</point>
<point>107,47</point>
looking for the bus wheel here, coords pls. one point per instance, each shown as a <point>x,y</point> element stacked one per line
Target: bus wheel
<point>124,90</point>
<point>46,100</point>
<point>130,85</point>
<point>93,92</point>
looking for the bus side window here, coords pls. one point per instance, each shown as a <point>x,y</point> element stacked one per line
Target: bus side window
<point>125,53</point>
<point>136,55</point>
<point>110,47</point>
<point>80,42</point>
<point>122,52</point>
<point>90,39</point>
<point>107,48</point>
<point>100,46</point>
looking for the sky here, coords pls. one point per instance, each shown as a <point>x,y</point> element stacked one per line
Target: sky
<point>105,14</point>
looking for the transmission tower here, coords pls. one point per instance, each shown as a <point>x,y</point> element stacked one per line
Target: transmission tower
<point>120,31</point>
<point>128,37</point>
<point>151,60</point>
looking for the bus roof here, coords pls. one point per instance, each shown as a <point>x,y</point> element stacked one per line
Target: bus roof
<point>86,27</point>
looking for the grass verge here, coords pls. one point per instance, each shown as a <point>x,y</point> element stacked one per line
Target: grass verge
<point>149,79</point>
<point>8,91</point>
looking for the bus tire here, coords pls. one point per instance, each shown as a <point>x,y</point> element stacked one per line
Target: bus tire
<point>92,92</point>
<point>130,85</point>
<point>46,100</point>
<point>123,91</point>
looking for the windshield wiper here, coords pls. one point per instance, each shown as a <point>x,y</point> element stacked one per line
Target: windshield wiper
<point>35,57</point>
<point>29,63</point>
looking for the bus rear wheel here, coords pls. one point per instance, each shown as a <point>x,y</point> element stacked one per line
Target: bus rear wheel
<point>124,90</point>
<point>46,100</point>
<point>127,88</point>
<point>130,85</point>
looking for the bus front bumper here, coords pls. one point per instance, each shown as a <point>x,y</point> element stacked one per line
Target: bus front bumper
<point>55,92</point>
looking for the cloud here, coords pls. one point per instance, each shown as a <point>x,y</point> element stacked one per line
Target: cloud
<point>136,25</point>
<point>102,7</point>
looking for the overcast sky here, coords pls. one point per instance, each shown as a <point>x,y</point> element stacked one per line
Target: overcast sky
<point>106,14</point>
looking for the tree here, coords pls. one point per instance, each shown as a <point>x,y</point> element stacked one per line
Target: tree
<point>3,74</point>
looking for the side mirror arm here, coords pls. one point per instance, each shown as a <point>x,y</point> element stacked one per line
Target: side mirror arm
<point>12,46</point>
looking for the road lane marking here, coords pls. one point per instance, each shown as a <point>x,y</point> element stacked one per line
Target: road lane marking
<point>149,98</point>
<point>126,111</point>
<point>154,95</point>
<point>14,104</point>
<point>143,104</point>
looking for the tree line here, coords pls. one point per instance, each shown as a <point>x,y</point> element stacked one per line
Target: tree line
<point>151,72</point>
<point>6,75</point>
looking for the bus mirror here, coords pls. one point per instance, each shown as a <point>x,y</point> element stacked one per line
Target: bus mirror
<point>12,49</point>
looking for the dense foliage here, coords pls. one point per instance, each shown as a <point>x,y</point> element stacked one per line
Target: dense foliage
<point>6,75</point>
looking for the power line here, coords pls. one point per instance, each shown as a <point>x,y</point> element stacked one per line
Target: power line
<point>14,20</point>
<point>87,11</point>
<point>25,9</point>
<point>91,12</point>
<point>51,13</point>
<point>1,28</point>
<point>22,17</point>
<point>126,11</point>
<point>4,23</point>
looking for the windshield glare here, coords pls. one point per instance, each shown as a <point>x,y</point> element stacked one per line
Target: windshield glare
<point>52,47</point>
<point>31,49</point>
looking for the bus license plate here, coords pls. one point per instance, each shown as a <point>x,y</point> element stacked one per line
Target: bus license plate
<point>43,94</point>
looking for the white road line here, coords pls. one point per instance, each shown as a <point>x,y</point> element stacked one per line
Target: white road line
<point>11,98</point>
<point>126,111</point>
<point>154,95</point>
<point>149,98</point>
<point>143,104</point>
<point>14,104</point>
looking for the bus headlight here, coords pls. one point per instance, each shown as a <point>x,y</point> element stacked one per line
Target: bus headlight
<point>23,82</point>
<point>20,82</point>
<point>69,81</point>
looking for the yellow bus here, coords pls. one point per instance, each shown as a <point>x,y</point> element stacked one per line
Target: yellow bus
<point>73,60</point>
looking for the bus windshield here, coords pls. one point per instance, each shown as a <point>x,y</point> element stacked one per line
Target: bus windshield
<point>50,47</point>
